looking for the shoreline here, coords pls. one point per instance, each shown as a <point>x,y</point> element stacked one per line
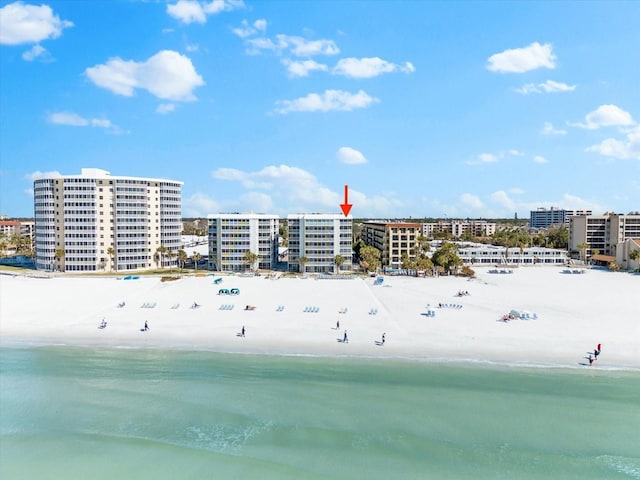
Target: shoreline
<point>574,313</point>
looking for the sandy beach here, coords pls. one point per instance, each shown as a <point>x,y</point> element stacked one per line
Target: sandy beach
<point>569,314</point>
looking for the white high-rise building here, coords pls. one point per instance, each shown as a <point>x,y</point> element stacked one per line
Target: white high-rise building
<point>320,238</point>
<point>232,235</point>
<point>98,222</point>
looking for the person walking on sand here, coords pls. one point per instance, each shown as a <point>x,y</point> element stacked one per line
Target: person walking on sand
<point>383,338</point>
<point>243,331</point>
<point>345,339</point>
<point>338,325</point>
<point>146,326</point>
<point>590,359</point>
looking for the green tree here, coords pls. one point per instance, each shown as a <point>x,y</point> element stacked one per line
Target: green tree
<point>251,259</point>
<point>447,257</point>
<point>160,253</point>
<point>171,255</point>
<point>583,248</point>
<point>112,253</point>
<point>182,258</point>
<point>338,260</point>
<point>302,261</point>
<point>59,256</point>
<point>370,258</point>
<point>196,258</point>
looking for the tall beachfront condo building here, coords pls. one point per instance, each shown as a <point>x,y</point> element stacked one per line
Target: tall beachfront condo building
<point>232,235</point>
<point>320,238</point>
<point>98,222</point>
<point>543,218</point>
<point>393,239</point>
<point>603,232</point>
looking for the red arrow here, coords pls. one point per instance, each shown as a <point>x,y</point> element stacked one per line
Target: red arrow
<point>346,206</point>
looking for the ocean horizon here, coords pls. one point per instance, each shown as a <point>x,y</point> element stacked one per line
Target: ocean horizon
<point>72,412</point>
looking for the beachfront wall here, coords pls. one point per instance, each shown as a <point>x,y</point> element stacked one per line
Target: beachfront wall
<point>320,238</point>
<point>393,239</point>
<point>80,218</point>
<point>232,235</point>
<point>496,255</point>
<point>602,233</point>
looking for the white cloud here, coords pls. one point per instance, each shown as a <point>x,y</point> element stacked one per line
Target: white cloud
<point>628,148</point>
<point>296,46</point>
<point>192,11</point>
<point>37,52</point>
<point>369,67</point>
<point>549,130</point>
<point>74,120</point>
<point>302,69</point>
<point>606,116</point>
<point>165,108</point>
<point>485,158</point>
<point>330,100</point>
<point>167,75</point>
<point>482,159</point>
<point>38,174</point>
<point>501,198</point>
<point>547,87</point>
<point>351,156</point>
<point>540,159</point>
<point>192,47</point>
<point>516,191</point>
<point>247,30</point>
<point>471,201</point>
<point>22,23</point>
<point>296,190</point>
<point>199,205</point>
<point>519,60</point>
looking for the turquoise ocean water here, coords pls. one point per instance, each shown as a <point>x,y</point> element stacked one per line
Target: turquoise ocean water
<point>72,413</point>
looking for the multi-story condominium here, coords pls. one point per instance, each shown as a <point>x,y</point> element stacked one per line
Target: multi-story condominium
<point>232,235</point>
<point>458,228</point>
<point>18,228</point>
<point>543,218</point>
<point>497,255</point>
<point>602,232</point>
<point>320,238</point>
<point>393,239</point>
<point>98,222</point>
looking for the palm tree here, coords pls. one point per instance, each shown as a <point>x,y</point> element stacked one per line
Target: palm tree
<point>160,252</point>
<point>182,258</point>
<point>338,260</point>
<point>111,252</point>
<point>171,255</point>
<point>583,248</point>
<point>196,258</point>
<point>251,259</point>
<point>59,256</point>
<point>303,262</point>
<point>634,255</point>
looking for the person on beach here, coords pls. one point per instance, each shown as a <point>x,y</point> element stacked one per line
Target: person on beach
<point>146,326</point>
<point>243,331</point>
<point>383,338</point>
<point>597,350</point>
<point>590,359</point>
<point>345,339</point>
<point>338,325</point>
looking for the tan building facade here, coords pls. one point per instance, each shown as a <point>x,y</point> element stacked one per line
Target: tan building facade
<point>393,239</point>
<point>602,232</point>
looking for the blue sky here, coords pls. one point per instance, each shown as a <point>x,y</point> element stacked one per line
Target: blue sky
<point>457,109</point>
